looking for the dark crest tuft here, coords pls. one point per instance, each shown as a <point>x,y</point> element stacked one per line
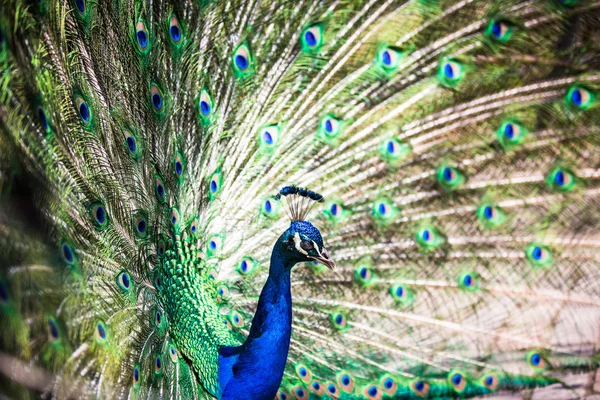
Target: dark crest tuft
<point>300,201</point>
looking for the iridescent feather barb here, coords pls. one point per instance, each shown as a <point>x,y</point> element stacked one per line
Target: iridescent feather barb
<point>145,255</point>
<point>300,201</point>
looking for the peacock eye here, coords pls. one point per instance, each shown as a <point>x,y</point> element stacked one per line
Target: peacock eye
<point>174,30</point>
<point>306,245</point>
<point>141,36</point>
<point>156,98</point>
<point>242,61</point>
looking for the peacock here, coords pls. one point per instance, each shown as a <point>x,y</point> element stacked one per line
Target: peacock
<point>177,178</point>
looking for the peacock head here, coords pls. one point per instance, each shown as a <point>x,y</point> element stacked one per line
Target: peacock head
<point>302,242</point>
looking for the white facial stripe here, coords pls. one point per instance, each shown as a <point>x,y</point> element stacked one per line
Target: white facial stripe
<point>316,248</point>
<point>297,242</point>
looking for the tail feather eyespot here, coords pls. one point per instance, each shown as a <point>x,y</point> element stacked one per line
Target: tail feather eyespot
<point>242,61</point>
<point>175,30</point>
<point>303,373</point>
<point>142,37</point>
<point>312,38</point>
<point>420,387</point>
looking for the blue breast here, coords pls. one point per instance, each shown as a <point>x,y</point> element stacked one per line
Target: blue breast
<point>255,369</point>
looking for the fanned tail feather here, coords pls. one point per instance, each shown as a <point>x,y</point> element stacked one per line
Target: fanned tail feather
<point>455,144</point>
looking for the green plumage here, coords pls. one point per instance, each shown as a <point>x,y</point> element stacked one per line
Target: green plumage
<point>188,294</point>
<point>456,144</point>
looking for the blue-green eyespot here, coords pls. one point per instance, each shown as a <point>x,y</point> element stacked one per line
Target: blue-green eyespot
<point>242,61</point>
<point>312,38</point>
<point>500,30</point>
<point>450,72</point>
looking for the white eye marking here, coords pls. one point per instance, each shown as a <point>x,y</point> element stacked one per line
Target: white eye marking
<point>297,242</point>
<point>316,248</point>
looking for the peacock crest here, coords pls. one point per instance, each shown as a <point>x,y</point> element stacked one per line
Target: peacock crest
<point>300,201</point>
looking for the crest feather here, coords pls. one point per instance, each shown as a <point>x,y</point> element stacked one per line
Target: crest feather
<point>300,201</point>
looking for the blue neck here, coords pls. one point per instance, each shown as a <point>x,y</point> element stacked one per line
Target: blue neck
<point>255,369</point>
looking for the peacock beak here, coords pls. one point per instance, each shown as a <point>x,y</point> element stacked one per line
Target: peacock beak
<point>325,259</point>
